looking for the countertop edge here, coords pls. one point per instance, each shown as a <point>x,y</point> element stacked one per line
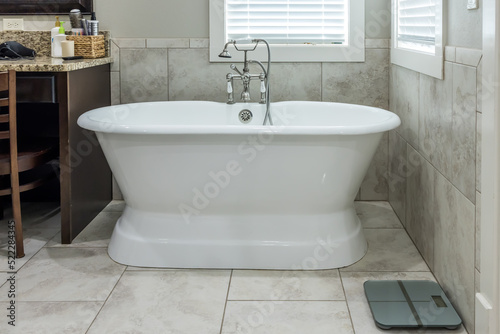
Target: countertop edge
<point>48,64</point>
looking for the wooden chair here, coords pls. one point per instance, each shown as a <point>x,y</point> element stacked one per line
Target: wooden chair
<point>17,157</point>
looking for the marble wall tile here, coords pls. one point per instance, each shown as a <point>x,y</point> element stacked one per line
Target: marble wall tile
<point>478,232</point>
<point>377,43</point>
<point>52,317</point>
<point>199,43</point>
<point>167,43</point>
<point>360,83</point>
<point>143,75</point>
<point>130,43</point>
<point>398,173</point>
<point>479,79</point>
<point>264,317</point>
<point>420,221</point>
<point>463,158</point>
<point>405,102</point>
<point>375,184</point>
<point>466,56</point>
<point>479,140</point>
<point>295,82</point>
<point>193,77</point>
<point>435,119</point>
<point>454,247</point>
<point>115,54</point>
<point>115,88</point>
<point>450,53</point>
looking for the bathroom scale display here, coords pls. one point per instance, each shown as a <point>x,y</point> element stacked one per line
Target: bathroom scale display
<point>410,304</point>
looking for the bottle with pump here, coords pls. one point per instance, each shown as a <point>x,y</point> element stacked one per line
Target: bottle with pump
<point>57,42</point>
<point>53,33</point>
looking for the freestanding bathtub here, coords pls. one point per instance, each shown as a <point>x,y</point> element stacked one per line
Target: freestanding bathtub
<point>204,190</point>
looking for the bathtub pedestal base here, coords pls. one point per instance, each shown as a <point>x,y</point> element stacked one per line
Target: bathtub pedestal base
<point>295,242</point>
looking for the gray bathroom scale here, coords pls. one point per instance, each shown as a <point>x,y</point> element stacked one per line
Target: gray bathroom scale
<point>410,304</point>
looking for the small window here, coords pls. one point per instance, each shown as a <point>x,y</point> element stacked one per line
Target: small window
<point>418,36</point>
<point>298,30</point>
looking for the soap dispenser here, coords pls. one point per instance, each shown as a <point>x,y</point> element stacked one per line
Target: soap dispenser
<point>53,33</point>
<point>57,42</point>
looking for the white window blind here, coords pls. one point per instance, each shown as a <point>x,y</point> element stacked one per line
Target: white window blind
<point>417,25</point>
<point>288,21</point>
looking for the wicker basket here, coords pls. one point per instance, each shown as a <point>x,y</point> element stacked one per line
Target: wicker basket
<point>88,46</point>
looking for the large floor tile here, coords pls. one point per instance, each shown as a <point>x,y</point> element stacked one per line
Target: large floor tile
<point>34,240</point>
<point>286,285</point>
<point>96,234</point>
<point>134,268</point>
<point>51,317</point>
<point>358,306</point>
<point>290,317</point>
<point>377,215</point>
<point>67,274</point>
<point>180,301</point>
<point>389,250</point>
<point>38,215</point>
<point>115,206</point>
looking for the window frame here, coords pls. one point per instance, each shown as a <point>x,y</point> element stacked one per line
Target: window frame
<point>429,64</point>
<point>354,51</point>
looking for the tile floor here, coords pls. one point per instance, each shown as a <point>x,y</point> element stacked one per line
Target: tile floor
<point>77,288</point>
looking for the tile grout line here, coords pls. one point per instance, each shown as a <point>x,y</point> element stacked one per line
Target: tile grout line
<point>38,251</point>
<point>346,302</point>
<point>106,300</point>
<point>225,304</point>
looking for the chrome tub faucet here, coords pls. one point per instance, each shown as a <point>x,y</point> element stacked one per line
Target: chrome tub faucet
<point>246,77</point>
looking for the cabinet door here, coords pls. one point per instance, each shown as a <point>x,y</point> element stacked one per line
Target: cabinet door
<point>86,183</point>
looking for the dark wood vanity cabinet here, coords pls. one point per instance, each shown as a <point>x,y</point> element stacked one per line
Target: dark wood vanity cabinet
<point>84,177</point>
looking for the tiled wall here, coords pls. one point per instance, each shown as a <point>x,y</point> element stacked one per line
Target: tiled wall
<point>434,169</point>
<point>152,69</point>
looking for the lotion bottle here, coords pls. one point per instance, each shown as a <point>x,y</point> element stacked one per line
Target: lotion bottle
<point>53,33</point>
<point>57,41</point>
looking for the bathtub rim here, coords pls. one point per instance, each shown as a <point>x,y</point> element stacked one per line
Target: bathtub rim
<point>390,122</point>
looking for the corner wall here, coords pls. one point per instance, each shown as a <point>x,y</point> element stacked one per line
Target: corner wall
<point>434,170</point>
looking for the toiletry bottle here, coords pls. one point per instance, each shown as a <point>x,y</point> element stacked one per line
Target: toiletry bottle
<point>94,25</point>
<point>57,41</point>
<point>53,32</point>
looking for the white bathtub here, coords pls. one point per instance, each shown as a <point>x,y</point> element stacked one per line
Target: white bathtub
<point>203,190</point>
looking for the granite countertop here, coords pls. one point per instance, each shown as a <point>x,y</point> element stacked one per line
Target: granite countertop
<point>49,64</point>
<point>40,42</point>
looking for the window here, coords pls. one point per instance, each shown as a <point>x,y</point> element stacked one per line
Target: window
<point>298,30</point>
<point>417,41</point>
